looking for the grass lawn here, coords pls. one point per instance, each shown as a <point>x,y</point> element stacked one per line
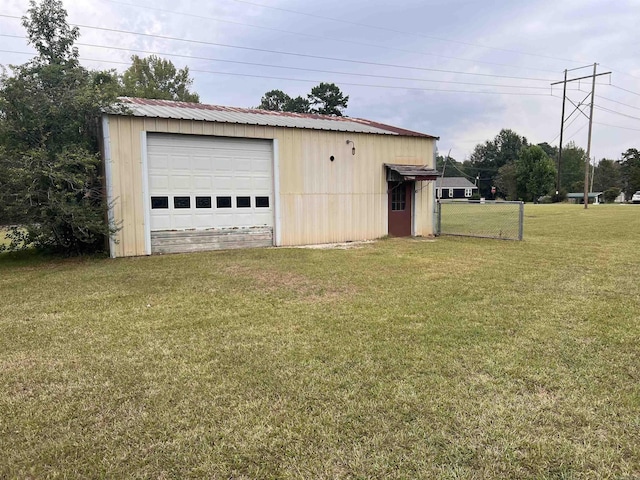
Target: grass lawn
<point>493,219</point>
<point>454,358</point>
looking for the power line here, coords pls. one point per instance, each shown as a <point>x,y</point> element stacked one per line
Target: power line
<point>619,103</point>
<point>618,126</point>
<point>616,113</point>
<point>325,38</point>
<point>333,72</point>
<point>625,90</point>
<point>463,173</point>
<point>394,87</point>
<point>280,52</point>
<point>623,73</point>
<point>568,125</point>
<point>348,22</point>
<point>577,131</point>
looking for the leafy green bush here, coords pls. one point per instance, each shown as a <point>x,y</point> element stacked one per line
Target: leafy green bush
<point>561,196</point>
<point>610,194</point>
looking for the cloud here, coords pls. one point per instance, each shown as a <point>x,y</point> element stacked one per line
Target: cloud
<point>537,39</point>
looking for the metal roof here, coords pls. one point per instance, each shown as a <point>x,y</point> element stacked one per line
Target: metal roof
<point>142,107</point>
<point>411,172</point>
<point>581,194</point>
<point>454,182</point>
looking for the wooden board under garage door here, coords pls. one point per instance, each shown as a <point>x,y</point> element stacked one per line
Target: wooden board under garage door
<point>206,187</point>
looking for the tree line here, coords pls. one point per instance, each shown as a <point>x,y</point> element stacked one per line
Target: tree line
<point>324,99</point>
<point>518,170</point>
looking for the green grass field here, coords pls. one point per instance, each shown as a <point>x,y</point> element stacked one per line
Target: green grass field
<point>455,358</point>
<point>492,220</point>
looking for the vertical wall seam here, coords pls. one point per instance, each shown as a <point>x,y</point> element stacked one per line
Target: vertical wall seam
<point>277,237</point>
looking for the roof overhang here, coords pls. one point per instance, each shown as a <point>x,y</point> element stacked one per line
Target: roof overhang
<point>404,173</point>
<point>581,195</point>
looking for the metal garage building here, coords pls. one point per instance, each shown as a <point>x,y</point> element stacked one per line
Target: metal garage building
<point>184,177</point>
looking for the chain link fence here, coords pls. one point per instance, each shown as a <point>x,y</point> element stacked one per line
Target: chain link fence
<point>480,218</point>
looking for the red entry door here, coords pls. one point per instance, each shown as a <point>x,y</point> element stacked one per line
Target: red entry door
<point>400,195</point>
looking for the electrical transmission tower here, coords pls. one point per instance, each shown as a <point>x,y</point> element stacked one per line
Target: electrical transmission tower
<point>578,108</point>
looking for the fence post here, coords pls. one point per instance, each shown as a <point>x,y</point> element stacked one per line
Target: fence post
<point>521,222</point>
<point>438,217</point>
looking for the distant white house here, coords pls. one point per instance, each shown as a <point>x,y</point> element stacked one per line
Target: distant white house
<point>454,187</point>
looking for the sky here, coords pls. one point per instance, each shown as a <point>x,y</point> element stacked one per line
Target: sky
<point>460,70</point>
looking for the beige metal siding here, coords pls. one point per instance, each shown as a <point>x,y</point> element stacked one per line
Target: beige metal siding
<point>321,201</point>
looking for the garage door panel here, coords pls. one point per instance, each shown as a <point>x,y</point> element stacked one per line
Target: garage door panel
<point>222,164</point>
<point>178,160</point>
<point>161,161</point>
<point>242,165</point>
<point>264,218</point>
<point>261,167</point>
<point>182,221</point>
<point>158,182</point>
<point>202,221</point>
<point>162,221</point>
<point>223,184</point>
<point>180,183</point>
<point>202,163</point>
<point>203,183</point>
<point>260,184</point>
<point>241,182</point>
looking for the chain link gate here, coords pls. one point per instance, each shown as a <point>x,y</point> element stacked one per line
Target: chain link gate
<point>480,218</point>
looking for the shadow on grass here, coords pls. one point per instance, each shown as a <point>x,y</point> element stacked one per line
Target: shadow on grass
<point>32,257</point>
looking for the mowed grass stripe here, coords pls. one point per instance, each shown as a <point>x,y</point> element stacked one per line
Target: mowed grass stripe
<point>454,358</point>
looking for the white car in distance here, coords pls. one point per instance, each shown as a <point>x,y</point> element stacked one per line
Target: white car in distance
<point>636,197</point>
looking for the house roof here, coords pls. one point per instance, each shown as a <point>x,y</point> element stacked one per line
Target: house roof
<point>143,107</point>
<point>454,182</point>
<point>581,194</point>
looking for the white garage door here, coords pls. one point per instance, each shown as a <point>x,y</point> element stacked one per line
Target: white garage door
<point>199,182</point>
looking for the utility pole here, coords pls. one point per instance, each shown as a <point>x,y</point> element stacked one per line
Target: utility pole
<point>593,173</point>
<point>588,159</point>
<point>578,108</point>
<point>564,97</point>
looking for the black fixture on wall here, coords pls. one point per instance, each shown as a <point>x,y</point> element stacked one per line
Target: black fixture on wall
<point>353,149</point>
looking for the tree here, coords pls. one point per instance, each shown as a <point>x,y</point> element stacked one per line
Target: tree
<point>274,101</point>
<point>486,159</point>
<point>453,167</point>
<point>607,175</point>
<point>551,151</point>
<point>298,105</point>
<point>507,181</point>
<point>50,34</point>
<point>535,173</point>
<point>572,167</point>
<point>630,171</point>
<point>327,99</point>
<point>610,194</point>
<point>154,77</point>
<point>278,101</point>
<point>49,162</point>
